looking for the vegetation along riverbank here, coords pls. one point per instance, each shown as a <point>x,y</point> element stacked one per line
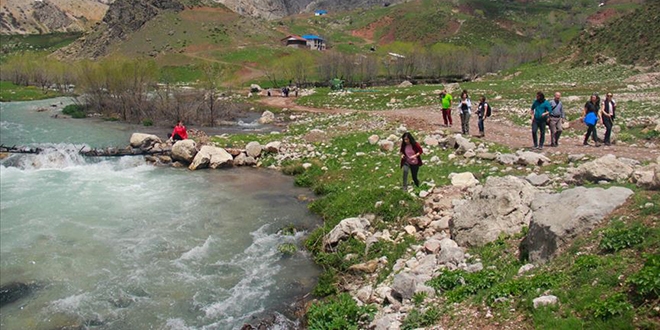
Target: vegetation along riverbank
<point>497,234</point>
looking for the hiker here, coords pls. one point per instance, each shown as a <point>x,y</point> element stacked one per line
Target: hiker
<point>590,118</point>
<point>445,99</point>
<point>411,159</point>
<point>540,112</point>
<point>607,114</point>
<point>483,111</point>
<point>465,109</point>
<point>557,116</point>
<point>179,132</point>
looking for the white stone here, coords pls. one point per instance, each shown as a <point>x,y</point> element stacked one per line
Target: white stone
<point>253,149</point>
<point>373,139</point>
<point>465,179</point>
<point>545,301</point>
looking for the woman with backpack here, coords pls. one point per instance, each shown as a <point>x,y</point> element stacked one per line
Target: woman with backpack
<point>590,117</point>
<point>483,111</point>
<point>465,109</point>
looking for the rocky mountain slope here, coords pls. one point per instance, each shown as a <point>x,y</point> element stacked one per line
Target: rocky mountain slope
<point>47,16</point>
<point>273,9</point>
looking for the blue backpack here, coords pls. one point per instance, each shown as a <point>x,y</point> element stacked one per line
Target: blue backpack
<point>591,118</point>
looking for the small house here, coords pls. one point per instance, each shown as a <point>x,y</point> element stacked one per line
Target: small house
<point>320,12</point>
<point>315,42</point>
<point>295,41</point>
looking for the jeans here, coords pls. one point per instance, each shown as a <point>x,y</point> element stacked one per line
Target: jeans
<point>591,129</point>
<point>446,116</point>
<point>413,169</point>
<point>480,123</point>
<point>538,124</point>
<point>555,130</point>
<point>607,121</point>
<point>465,122</point>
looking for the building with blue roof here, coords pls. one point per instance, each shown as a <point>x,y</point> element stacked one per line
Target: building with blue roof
<point>320,12</point>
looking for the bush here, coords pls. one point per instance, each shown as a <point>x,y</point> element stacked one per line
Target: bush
<point>75,111</point>
<point>287,249</point>
<point>147,122</point>
<point>416,320</point>
<point>460,284</point>
<point>339,313</point>
<point>646,282</point>
<point>618,237</point>
<point>612,306</point>
<point>326,285</point>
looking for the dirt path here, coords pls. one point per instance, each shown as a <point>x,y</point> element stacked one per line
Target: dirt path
<point>498,130</point>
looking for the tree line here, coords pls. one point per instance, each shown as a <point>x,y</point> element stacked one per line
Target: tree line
<point>135,90</point>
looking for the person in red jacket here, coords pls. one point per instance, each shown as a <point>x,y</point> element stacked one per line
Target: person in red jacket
<point>179,132</point>
<point>411,158</point>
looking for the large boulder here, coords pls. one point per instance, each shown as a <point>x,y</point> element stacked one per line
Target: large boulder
<point>647,177</point>
<point>502,206</point>
<point>267,117</point>
<point>253,149</point>
<point>345,228</point>
<point>559,218</point>
<point>184,150</point>
<point>243,160</point>
<point>607,168</point>
<point>212,157</point>
<point>461,144</point>
<point>144,141</point>
<point>386,145</point>
<point>465,179</point>
<point>531,158</point>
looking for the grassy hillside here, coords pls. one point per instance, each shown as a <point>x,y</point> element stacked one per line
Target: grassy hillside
<point>631,39</point>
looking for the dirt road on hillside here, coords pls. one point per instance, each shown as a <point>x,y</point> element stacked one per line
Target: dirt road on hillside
<point>498,130</point>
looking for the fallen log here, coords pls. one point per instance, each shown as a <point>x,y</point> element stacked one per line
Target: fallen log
<point>96,152</point>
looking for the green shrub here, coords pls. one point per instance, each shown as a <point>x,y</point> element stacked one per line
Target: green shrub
<point>293,169</point>
<point>613,305</point>
<point>339,313</point>
<point>585,262</point>
<point>75,111</point>
<point>326,285</point>
<point>646,282</point>
<point>460,284</point>
<point>147,122</point>
<point>416,320</point>
<point>288,230</point>
<point>618,237</point>
<point>419,297</point>
<point>287,249</point>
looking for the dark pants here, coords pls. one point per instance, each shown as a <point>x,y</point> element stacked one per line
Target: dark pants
<point>446,116</point>
<point>465,122</point>
<point>480,123</point>
<point>538,124</point>
<point>591,129</point>
<point>176,137</point>
<point>607,121</point>
<point>413,169</point>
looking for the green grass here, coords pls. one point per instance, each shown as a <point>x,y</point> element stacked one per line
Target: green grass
<point>11,92</point>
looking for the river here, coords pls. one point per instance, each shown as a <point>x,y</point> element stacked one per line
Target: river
<point>115,243</point>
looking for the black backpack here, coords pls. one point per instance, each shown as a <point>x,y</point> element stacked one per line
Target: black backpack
<point>489,110</point>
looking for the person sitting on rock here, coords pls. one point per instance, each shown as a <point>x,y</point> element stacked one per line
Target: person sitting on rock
<point>179,132</point>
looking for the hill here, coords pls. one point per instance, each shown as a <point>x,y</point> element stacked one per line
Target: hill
<point>630,39</point>
<point>46,16</point>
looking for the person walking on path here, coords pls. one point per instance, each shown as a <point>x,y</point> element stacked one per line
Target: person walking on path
<point>445,99</point>
<point>465,109</point>
<point>411,159</point>
<point>590,117</point>
<point>557,116</point>
<point>483,111</point>
<point>540,112</point>
<point>607,114</point>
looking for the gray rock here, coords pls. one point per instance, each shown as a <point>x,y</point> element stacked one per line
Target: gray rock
<point>344,229</point>
<point>452,255</point>
<point>507,159</point>
<point>373,139</point>
<point>531,158</point>
<point>463,180</point>
<point>144,141</point>
<point>386,322</point>
<point>502,206</point>
<point>212,157</point>
<point>476,267</point>
<point>648,177</point>
<point>607,168</point>
<point>253,149</point>
<point>462,144</point>
<point>273,147</point>
<point>432,245</point>
<point>559,218</point>
<point>538,180</point>
<point>486,156</point>
<point>244,160</point>
<point>404,285</point>
<point>386,145</point>
<point>184,150</point>
<point>267,117</point>
<point>545,301</point>
<point>525,268</point>
<point>575,158</point>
